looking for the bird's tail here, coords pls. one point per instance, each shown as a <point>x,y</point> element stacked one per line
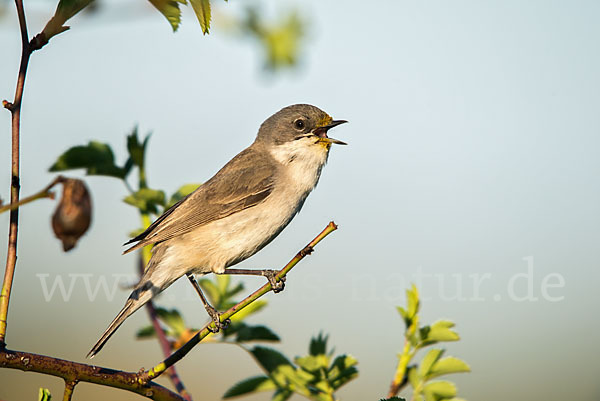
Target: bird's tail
<point>153,281</point>
<point>132,304</point>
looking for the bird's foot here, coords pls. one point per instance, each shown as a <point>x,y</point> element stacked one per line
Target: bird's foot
<point>277,286</point>
<point>216,318</point>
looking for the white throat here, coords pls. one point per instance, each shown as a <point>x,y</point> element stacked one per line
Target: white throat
<point>303,160</point>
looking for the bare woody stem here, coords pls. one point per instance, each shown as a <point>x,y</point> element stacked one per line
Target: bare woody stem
<point>15,109</point>
<point>73,372</point>
<point>44,193</point>
<point>159,369</point>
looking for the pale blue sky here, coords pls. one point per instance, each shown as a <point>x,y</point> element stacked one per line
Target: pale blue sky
<point>473,144</point>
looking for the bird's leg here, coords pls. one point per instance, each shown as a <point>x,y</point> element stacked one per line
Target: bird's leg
<point>212,312</point>
<point>277,286</point>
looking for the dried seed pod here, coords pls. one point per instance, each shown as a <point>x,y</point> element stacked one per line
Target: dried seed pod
<point>73,214</point>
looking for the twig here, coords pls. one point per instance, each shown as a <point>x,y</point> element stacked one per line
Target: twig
<point>395,387</point>
<point>159,369</point>
<point>44,193</point>
<point>15,109</point>
<point>73,371</point>
<point>69,388</point>
<point>163,341</point>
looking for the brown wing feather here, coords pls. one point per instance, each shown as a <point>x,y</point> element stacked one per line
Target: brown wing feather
<point>248,181</point>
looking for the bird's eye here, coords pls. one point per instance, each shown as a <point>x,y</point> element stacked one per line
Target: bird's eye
<point>299,124</point>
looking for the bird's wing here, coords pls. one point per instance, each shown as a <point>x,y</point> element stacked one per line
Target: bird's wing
<point>247,182</point>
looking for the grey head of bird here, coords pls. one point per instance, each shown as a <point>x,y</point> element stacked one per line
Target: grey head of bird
<point>302,125</point>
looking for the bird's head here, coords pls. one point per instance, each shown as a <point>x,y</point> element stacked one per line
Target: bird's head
<point>300,126</point>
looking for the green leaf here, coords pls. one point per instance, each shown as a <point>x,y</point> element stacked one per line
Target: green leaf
<point>182,192</point>
<point>412,297</point>
<point>170,9</point>
<point>282,395</point>
<point>448,365</point>
<point>313,363</point>
<point>202,10</point>
<point>223,281</point>
<point>439,390</point>
<point>342,370</point>
<point>413,376</point>
<point>146,200</point>
<point>269,358</point>
<point>137,149</point>
<point>250,385</point>
<point>97,158</point>
<point>64,11</point>
<point>211,290</point>
<point>318,345</point>
<point>281,41</point>
<point>429,360</point>
<point>145,332</point>
<point>438,331</point>
<point>172,318</point>
<point>44,394</point>
<point>255,333</point>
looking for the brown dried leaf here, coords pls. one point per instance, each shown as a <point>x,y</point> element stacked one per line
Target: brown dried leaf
<point>73,214</point>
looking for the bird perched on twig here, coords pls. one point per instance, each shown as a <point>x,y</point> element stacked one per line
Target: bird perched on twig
<point>238,211</point>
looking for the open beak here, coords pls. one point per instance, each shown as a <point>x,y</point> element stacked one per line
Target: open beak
<point>321,132</point>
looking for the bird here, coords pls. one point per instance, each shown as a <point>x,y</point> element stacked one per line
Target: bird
<point>237,212</point>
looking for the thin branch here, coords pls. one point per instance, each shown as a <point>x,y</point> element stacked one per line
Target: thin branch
<point>73,372</point>
<point>163,341</point>
<point>44,193</point>
<point>15,109</point>
<point>395,387</point>
<point>200,335</point>
<point>69,388</point>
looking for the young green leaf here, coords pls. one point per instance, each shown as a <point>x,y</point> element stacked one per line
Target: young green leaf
<point>446,366</point>
<point>202,10</point>
<point>412,296</point>
<point>250,385</point>
<point>428,361</point>
<point>64,11</point>
<point>170,9</point>
<point>413,376</point>
<point>146,199</point>
<point>438,331</point>
<point>44,394</point>
<point>439,390</point>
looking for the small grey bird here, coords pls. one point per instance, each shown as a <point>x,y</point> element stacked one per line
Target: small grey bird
<point>238,211</point>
